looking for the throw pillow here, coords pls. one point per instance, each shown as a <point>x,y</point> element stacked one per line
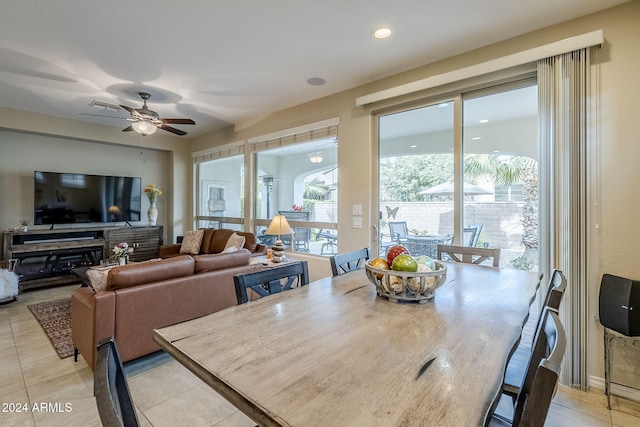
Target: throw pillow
<point>98,277</point>
<point>235,241</point>
<point>191,242</point>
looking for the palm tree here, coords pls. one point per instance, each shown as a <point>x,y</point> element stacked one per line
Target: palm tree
<point>508,170</point>
<point>315,189</point>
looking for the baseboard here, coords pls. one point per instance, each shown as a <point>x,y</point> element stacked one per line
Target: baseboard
<point>619,390</point>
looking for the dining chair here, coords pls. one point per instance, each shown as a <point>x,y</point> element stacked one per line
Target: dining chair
<point>271,280</point>
<point>110,388</point>
<point>518,360</point>
<point>543,370</point>
<point>469,255</point>
<point>344,263</point>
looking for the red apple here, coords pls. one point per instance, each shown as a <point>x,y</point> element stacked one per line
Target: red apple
<point>394,251</point>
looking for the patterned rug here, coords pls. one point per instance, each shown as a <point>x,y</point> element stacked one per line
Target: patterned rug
<point>55,319</point>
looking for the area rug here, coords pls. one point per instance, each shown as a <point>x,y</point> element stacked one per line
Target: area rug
<point>55,319</point>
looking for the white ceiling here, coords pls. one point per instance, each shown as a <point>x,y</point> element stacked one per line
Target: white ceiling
<point>224,62</point>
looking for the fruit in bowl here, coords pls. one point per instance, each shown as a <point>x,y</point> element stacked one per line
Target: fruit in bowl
<point>380,263</point>
<point>394,251</point>
<point>404,262</point>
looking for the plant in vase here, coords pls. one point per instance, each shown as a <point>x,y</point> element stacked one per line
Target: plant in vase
<point>121,253</point>
<point>24,224</point>
<point>153,193</point>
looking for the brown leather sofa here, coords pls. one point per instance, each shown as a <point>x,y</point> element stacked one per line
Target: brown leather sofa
<point>152,294</point>
<point>214,241</point>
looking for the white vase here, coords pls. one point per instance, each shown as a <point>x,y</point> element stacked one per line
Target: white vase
<point>152,213</point>
<point>122,261</point>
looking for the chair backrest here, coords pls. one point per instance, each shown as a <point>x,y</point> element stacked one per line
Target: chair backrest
<point>555,291</point>
<point>110,388</point>
<point>471,234</point>
<point>469,255</point>
<point>344,263</point>
<point>543,372</point>
<point>398,229</point>
<point>271,280</point>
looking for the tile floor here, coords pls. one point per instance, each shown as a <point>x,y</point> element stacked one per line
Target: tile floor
<point>165,393</point>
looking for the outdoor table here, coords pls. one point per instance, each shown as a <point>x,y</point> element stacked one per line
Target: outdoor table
<point>424,245</point>
<point>333,353</point>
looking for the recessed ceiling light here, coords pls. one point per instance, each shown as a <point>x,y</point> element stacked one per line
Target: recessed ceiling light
<point>443,105</point>
<point>496,151</point>
<point>316,81</point>
<point>483,121</point>
<point>381,33</point>
<point>475,138</point>
<point>413,146</point>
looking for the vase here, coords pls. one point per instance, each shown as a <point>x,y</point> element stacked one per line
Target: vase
<point>122,261</point>
<point>152,213</point>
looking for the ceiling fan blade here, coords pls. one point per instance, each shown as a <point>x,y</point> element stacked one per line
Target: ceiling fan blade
<point>129,109</point>
<point>179,121</point>
<point>128,129</point>
<point>102,115</point>
<point>172,130</point>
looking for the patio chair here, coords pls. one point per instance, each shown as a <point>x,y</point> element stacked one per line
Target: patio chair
<point>398,231</point>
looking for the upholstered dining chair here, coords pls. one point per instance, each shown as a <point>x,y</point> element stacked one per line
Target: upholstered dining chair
<point>517,362</point>
<point>470,255</point>
<point>344,263</point>
<point>110,388</point>
<point>271,280</point>
<point>543,370</point>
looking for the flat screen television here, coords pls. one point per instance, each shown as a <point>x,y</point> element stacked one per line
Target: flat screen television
<point>71,198</point>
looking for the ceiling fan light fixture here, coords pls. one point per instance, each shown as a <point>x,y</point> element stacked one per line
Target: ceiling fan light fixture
<point>144,127</point>
<point>315,157</point>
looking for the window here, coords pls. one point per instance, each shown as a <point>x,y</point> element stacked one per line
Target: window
<point>299,181</point>
<point>469,179</point>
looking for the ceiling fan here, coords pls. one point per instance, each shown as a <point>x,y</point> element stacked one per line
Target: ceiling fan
<point>146,121</point>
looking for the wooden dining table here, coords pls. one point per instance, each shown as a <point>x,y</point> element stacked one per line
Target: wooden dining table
<point>334,353</point>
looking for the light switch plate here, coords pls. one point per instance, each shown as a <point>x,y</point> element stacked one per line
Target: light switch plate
<point>357,210</point>
<point>357,222</point>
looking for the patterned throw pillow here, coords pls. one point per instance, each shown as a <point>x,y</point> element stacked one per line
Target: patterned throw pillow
<point>191,242</point>
<point>235,241</point>
<point>98,277</point>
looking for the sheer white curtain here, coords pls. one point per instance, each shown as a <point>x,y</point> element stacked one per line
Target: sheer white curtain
<point>563,85</point>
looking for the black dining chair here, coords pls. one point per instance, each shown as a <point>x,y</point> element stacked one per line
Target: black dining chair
<point>271,280</point>
<point>344,263</point>
<point>517,362</point>
<point>111,389</point>
<point>543,371</point>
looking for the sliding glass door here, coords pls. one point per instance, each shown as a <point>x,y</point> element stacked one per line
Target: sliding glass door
<point>462,171</point>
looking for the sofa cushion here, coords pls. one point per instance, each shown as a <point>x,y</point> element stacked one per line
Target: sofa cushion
<point>235,241</point>
<point>191,242</point>
<point>147,272</point>
<point>213,262</point>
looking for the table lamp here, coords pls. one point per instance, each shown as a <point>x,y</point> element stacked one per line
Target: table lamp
<point>278,226</point>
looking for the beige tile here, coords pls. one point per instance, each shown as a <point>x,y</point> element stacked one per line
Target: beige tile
<point>18,414</point>
<point>237,419</point>
<point>77,384</point>
<point>199,406</point>
<point>592,402</point>
<point>160,384</point>
<point>624,405</point>
<point>68,412</point>
<point>560,416</point>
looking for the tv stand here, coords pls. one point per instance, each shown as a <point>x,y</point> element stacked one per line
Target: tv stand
<point>46,257</point>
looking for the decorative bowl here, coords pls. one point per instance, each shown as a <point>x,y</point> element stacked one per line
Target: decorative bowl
<point>407,286</point>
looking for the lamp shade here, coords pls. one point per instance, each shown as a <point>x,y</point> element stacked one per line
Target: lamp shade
<point>144,127</point>
<point>278,226</point>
